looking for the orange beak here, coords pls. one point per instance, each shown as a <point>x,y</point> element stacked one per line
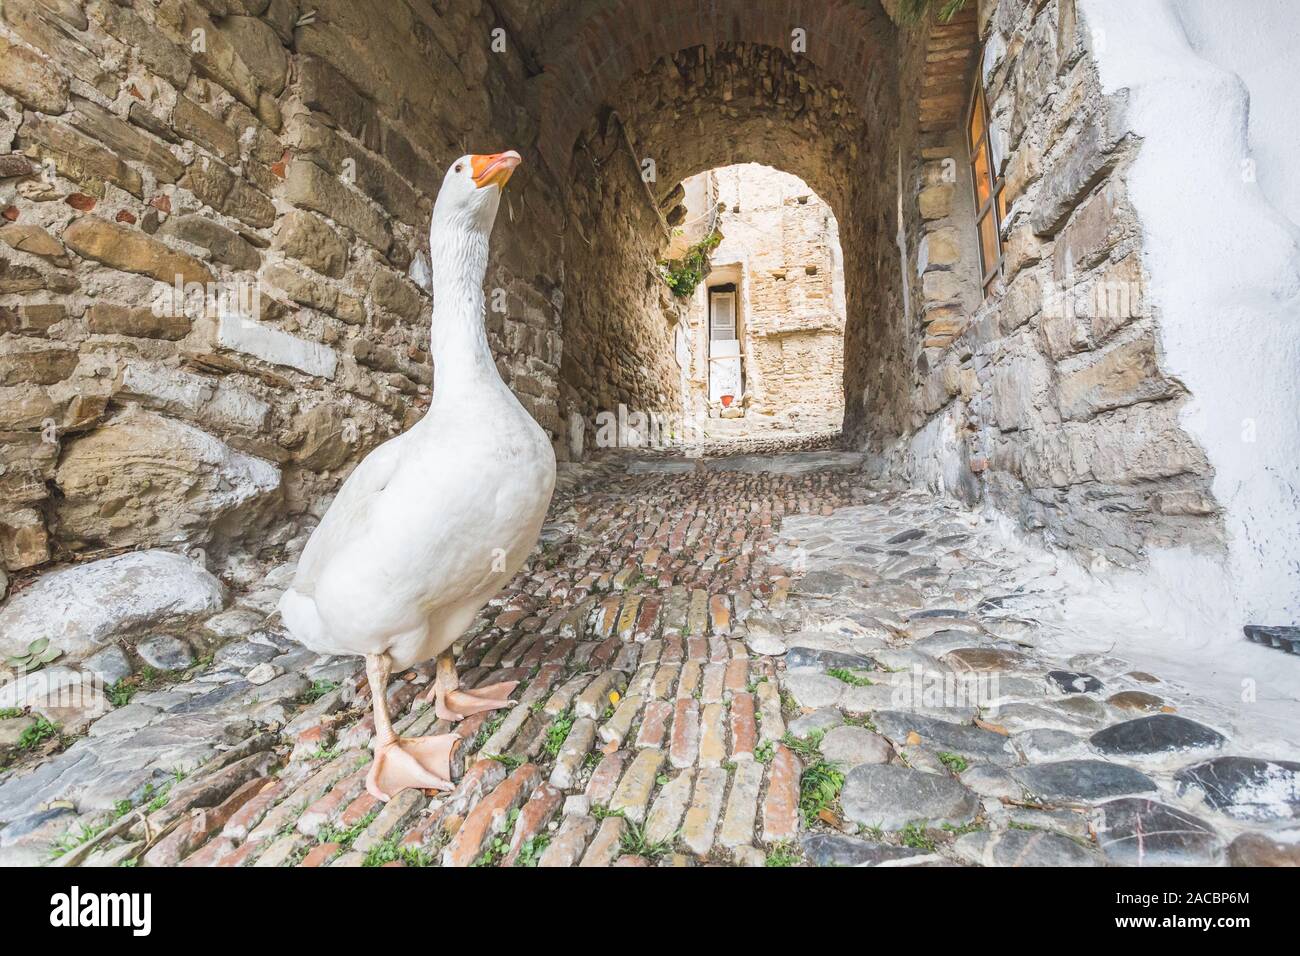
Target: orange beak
<point>495,168</point>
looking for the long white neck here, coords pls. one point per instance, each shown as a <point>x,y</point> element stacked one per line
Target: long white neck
<point>457,339</point>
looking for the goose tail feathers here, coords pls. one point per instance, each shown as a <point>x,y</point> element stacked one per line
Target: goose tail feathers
<point>300,616</point>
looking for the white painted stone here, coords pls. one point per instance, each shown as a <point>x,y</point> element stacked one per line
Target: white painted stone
<point>245,335</point>
<point>939,457</point>
<point>1168,60</point>
<point>213,401</point>
<point>83,607</point>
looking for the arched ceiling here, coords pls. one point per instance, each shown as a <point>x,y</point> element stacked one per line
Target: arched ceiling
<point>590,48</point>
<point>741,102</point>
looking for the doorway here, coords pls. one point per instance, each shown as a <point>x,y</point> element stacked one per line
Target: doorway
<point>726,373</point>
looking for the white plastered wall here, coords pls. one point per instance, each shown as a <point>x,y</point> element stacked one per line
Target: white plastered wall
<point>1216,184</point>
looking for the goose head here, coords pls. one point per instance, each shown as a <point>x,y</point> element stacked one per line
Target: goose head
<point>471,192</point>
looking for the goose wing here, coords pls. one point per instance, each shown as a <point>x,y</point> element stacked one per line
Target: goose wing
<point>349,514</point>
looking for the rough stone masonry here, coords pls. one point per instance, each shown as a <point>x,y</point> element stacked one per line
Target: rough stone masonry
<point>282,174</point>
<point>267,155</point>
<point>214,292</point>
<point>214,301</point>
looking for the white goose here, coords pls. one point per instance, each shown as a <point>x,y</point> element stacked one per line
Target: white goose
<point>432,523</point>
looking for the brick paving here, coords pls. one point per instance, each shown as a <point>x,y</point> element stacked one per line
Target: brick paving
<point>691,645</point>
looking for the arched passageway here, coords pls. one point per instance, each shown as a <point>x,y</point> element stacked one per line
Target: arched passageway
<point>691,111</point>
<point>810,88</point>
<point>1027,271</point>
<point>1001,340</point>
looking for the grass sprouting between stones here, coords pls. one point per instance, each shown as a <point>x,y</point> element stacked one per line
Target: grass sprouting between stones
<point>499,845</point>
<point>914,835</point>
<point>782,855</point>
<point>861,720</point>
<point>821,781</point>
<point>37,734</point>
<point>82,835</point>
<point>318,689</point>
<point>819,789</point>
<point>487,730</point>
<point>954,762</point>
<point>345,837</point>
<point>633,841</point>
<point>848,677</point>
<point>558,732</point>
<point>390,851</point>
<point>808,746</point>
<point>151,800</point>
<point>120,693</point>
<point>531,850</point>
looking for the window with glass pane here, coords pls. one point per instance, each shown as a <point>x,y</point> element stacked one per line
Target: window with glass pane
<point>987,187</point>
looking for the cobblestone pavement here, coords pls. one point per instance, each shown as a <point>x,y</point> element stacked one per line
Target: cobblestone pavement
<point>746,661</point>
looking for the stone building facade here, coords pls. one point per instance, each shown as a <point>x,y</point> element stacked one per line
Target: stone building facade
<point>1046,395</point>
<point>280,159</point>
<point>778,270</point>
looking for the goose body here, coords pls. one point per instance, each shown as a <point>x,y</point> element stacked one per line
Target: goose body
<point>435,521</point>
<point>426,529</point>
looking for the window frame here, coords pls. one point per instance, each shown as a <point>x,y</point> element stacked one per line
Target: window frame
<point>993,205</point>
<point>718,292</point>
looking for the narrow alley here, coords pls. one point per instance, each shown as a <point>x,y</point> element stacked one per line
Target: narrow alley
<point>752,660</point>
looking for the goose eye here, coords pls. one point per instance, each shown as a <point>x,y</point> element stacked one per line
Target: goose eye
<point>459,167</point>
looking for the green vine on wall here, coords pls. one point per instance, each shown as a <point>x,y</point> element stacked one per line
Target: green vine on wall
<point>684,274</point>
<point>914,11</point>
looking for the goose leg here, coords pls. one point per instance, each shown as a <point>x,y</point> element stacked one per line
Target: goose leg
<point>452,703</point>
<point>425,763</point>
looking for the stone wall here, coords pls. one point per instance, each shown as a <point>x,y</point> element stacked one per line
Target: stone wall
<point>246,145</point>
<point>1048,397</point>
<point>284,158</point>
<point>619,316</point>
<point>1219,201</point>
<point>780,244</point>
<point>704,108</point>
